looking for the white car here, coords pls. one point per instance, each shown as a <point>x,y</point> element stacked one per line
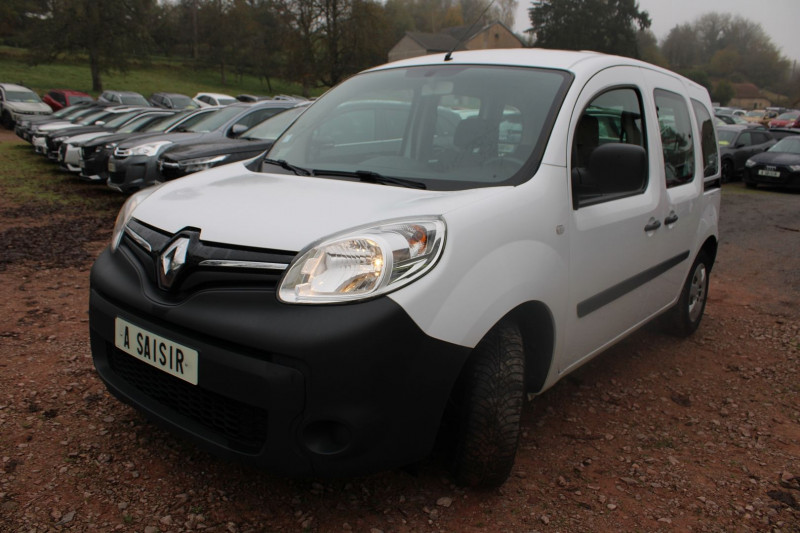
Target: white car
<point>213,99</point>
<point>17,101</point>
<point>429,242</point>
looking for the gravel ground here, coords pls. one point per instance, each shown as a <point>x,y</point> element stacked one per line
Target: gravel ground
<point>658,434</point>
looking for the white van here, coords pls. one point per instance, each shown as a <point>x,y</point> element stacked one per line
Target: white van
<point>430,241</point>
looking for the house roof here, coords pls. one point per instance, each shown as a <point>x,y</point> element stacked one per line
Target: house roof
<point>447,39</point>
<point>746,90</point>
<point>434,42</point>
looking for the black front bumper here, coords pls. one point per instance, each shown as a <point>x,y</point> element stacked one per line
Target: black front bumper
<point>132,173</point>
<point>94,163</point>
<point>786,177</point>
<point>309,390</point>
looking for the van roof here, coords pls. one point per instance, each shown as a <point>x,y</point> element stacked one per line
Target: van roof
<point>581,63</point>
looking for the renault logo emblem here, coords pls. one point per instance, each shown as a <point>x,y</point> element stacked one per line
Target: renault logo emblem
<point>172,260</point>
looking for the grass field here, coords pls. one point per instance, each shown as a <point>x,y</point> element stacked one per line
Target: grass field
<point>157,75</point>
<point>37,183</point>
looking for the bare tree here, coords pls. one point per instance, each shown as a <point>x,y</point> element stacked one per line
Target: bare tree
<point>109,33</point>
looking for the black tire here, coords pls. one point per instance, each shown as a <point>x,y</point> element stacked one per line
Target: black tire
<point>7,121</point>
<point>727,171</point>
<point>490,399</point>
<point>684,318</point>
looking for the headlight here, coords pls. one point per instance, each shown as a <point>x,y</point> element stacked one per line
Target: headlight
<point>750,163</point>
<point>149,149</point>
<point>202,163</point>
<point>794,168</point>
<point>126,213</point>
<point>364,262</point>
<point>110,146</point>
<point>60,139</point>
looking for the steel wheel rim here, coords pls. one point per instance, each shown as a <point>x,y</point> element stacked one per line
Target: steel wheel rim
<point>697,292</point>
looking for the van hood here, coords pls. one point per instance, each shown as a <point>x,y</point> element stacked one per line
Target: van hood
<point>233,205</point>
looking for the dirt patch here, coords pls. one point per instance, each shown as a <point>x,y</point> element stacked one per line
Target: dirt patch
<point>658,434</point>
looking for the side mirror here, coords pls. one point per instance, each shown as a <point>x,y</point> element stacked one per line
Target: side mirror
<point>619,168</point>
<point>238,129</point>
<point>615,170</point>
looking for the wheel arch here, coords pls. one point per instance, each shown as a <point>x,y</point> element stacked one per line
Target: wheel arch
<point>537,326</point>
<point>727,160</point>
<point>709,247</point>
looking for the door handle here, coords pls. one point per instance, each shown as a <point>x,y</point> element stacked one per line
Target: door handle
<point>652,225</point>
<point>671,218</point>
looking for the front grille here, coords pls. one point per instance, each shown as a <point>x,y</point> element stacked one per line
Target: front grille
<point>234,424</point>
<point>203,268</point>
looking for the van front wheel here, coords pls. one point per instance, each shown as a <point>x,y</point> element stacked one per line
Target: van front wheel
<point>490,400</point>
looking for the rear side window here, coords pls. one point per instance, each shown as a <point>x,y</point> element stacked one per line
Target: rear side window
<point>760,138</point>
<point>744,140</point>
<point>676,137</point>
<point>612,118</point>
<point>708,139</point>
<point>258,116</point>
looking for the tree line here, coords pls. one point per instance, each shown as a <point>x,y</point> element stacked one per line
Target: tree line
<point>715,50</point>
<point>317,43</point>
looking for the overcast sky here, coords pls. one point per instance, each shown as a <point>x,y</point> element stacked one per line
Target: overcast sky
<point>778,18</point>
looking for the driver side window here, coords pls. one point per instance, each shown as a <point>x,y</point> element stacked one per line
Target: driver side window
<point>613,119</point>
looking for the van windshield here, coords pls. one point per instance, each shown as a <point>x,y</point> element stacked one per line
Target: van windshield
<point>446,126</point>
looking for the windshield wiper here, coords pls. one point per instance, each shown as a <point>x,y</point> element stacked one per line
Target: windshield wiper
<point>300,171</point>
<point>372,177</point>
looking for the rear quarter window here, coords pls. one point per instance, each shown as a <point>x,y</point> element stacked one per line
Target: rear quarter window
<point>708,139</point>
<point>676,137</point>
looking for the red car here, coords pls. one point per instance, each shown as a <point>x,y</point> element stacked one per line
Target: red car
<point>58,98</point>
<point>790,119</point>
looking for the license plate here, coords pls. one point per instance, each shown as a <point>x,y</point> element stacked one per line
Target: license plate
<point>164,354</point>
<point>112,167</point>
<point>770,173</point>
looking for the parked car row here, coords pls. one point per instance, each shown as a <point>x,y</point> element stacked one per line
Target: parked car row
<point>759,155</point>
<point>771,117</point>
<point>743,135</point>
<point>19,101</point>
<point>129,147</point>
